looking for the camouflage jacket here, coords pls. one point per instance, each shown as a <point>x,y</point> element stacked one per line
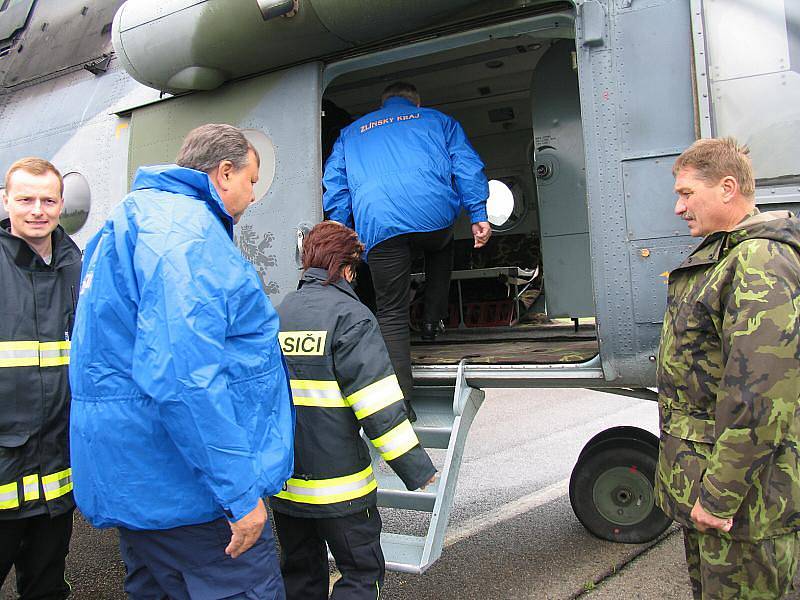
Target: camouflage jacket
<point>729,380</point>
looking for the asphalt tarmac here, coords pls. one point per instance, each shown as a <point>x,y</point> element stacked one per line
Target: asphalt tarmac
<point>512,532</point>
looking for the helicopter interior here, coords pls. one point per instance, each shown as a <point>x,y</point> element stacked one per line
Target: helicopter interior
<point>503,307</point>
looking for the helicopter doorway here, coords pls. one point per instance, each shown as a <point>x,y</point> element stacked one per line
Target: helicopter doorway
<point>526,297</point>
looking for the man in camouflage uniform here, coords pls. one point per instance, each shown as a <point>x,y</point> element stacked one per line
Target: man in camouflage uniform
<point>729,379</point>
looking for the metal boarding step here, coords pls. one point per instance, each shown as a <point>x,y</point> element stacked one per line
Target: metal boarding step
<point>444,416</point>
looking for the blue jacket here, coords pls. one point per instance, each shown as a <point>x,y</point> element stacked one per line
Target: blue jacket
<point>181,410</point>
<point>403,169</point>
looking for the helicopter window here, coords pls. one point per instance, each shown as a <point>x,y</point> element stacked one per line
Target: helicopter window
<point>506,205</point>
<point>266,152</point>
<point>500,204</point>
<point>77,202</point>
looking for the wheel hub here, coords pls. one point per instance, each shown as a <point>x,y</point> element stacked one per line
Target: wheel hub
<point>623,496</point>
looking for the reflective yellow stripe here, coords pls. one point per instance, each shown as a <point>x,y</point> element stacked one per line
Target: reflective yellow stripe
<point>8,496</point>
<point>314,384</point>
<point>54,354</point>
<point>397,441</point>
<point>30,487</point>
<point>34,354</point>
<point>57,484</point>
<point>22,345</point>
<point>322,394</point>
<point>334,481</point>
<point>374,397</point>
<point>320,402</point>
<point>19,354</point>
<point>329,491</point>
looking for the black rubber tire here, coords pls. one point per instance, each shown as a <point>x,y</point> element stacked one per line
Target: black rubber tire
<point>614,458</point>
<point>621,433</point>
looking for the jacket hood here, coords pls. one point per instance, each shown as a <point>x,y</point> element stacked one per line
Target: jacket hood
<point>780,226</point>
<point>65,251</point>
<point>188,182</point>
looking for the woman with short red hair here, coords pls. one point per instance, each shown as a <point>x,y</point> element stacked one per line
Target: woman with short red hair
<point>334,248</point>
<point>342,380</point>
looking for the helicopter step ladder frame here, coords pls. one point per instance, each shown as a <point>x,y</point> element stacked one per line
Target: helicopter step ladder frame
<point>444,417</point>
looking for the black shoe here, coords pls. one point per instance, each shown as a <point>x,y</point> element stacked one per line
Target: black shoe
<point>431,330</point>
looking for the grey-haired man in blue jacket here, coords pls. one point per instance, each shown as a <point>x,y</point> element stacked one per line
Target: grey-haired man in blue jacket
<point>182,419</point>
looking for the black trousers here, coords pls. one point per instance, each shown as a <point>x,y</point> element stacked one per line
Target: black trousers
<point>390,264</point>
<point>354,541</point>
<point>37,547</point>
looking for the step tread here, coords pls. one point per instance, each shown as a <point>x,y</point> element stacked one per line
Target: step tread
<point>389,481</point>
<point>433,420</point>
<point>402,551</point>
<point>392,492</point>
<point>388,492</point>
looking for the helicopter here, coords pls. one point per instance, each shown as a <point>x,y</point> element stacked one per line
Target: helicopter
<point>577,108</point>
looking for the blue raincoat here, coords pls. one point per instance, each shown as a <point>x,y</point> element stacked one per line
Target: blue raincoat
<point>403,169</point>
<point>181,411</point>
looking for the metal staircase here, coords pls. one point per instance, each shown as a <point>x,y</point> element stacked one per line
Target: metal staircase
<point>444,416</point>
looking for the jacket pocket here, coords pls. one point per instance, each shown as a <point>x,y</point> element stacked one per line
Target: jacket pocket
<point>13,440</point>
<point>16,386</point>
<point>12,456</point>
<point>10,422</point>
<point>681,464</point>
<point>780,507</point>
<point>362,450</point>
<point>690,428</point>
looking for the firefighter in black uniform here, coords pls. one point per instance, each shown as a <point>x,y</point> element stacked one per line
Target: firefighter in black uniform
<point>342,380</point>
<point>40,270</point>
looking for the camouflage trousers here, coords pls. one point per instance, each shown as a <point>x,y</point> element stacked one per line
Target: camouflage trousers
<point>721,568</point>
